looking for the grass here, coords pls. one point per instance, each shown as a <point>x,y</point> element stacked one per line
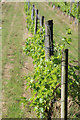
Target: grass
<point>61,23</point>
<point>13,89</point>
<point>13,60</point>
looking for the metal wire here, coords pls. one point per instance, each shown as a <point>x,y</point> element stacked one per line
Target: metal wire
<point>63,83</point>
<point>54,101</point>
<point>48,35</point>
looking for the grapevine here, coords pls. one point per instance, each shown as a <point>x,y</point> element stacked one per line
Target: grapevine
<point>47,73</point>
<point>65,8</point>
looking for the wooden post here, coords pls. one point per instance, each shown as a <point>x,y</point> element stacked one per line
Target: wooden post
<point>28,5</point>
<point>33,12</point>
<point>36,21</point>
<point>64,79</point>
<point>47,52</point>
<point>49,38</point>
<point>41,22</point>
<point>70,6</point>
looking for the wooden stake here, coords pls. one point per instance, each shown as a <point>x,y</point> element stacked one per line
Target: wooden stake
<point>64,78</point>
<point>36,21</point>
<point>33,12</point>
<point>41,22</point>
<point>47,52</point>
<point>49,38</point>
<point>28,5</point>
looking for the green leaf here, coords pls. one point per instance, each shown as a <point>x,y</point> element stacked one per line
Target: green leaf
<point>69,31</point>
<point>69,40</point>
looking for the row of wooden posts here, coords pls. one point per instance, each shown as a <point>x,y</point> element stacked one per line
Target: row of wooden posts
<point>49,50</point>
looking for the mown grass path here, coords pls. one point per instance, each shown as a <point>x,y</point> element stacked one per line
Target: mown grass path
<point>15,64</point>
